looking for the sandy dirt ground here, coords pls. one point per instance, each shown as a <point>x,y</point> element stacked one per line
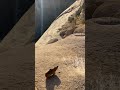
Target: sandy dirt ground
<point>62,45</point>
<point>69,55</point>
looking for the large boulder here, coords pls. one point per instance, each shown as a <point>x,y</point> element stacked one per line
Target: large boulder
<point>107,9</point>
<point>64,25</point>
<point>62,45</point>
<point>102,53</point>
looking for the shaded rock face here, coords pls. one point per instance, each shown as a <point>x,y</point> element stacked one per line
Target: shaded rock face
<point>102,8</point>
<point>102,46</point>
<point>107,21</point>
<point>47,11</point>
<point>11,13</point>
<point>107,9</point>
<point>17,52</point>
<point>22,33</point>
<point>102,54</point>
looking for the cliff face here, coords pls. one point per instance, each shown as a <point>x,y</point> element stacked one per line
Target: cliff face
<point>47,11</point>
<point>102,8</point>
<point>66,23</point>
<point>62,45</point>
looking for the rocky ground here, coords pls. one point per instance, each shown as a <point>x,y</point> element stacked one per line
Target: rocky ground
<point>62,45</point>
<point>69,55</point>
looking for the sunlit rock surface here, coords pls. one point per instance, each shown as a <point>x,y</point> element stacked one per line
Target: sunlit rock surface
<point>66,23</point>
<point>62,45</point>
<point>47,11</point>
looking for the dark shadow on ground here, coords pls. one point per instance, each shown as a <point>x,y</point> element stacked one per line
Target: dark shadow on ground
<point>52,81</point>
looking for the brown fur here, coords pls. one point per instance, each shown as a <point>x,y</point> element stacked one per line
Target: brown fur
<point>51,72</point>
